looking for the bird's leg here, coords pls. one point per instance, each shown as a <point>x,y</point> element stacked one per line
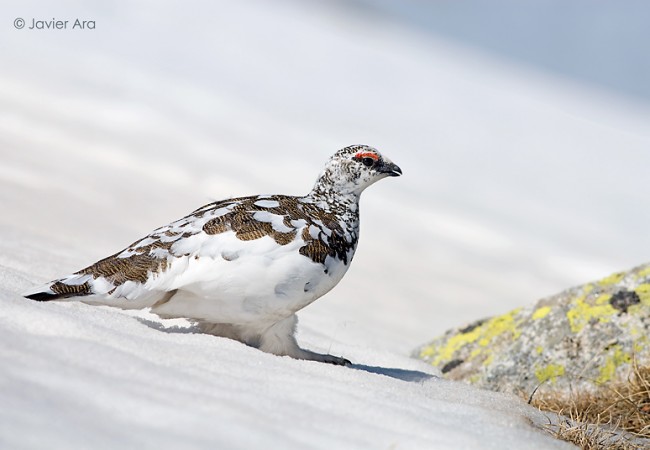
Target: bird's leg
<point>279,339</point>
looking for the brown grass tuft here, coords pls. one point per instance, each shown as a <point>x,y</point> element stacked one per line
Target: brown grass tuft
<point>615,417</point>
<point>593,437</point>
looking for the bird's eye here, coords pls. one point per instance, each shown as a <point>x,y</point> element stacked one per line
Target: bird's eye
<point>368,162</point>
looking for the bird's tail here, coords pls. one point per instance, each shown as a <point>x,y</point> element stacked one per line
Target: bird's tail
<point>96,291</point>
<point>75,285</point>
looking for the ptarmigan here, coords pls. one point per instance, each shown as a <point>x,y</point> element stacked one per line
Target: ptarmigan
<point>242,267</point>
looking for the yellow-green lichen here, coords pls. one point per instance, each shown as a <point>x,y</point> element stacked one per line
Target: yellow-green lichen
<point>612,279</point>
<point>474,378</point>
<point>639,345</point>
<point>582,312</point>
<point>643,291</point>
<point>639,341</point>
<point>539,349</point>
<point>497,326</point>
<point>603,299</point>
<point>549,372</point>
<point>541,312</point>
<point>444,351</point>
<point>481,352</point>
<point>612,362</point>
<point>643,273</point>
<point>427,351</point>
<point>483,335</point>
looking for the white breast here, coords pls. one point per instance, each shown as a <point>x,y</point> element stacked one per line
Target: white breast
<point>234,281</point>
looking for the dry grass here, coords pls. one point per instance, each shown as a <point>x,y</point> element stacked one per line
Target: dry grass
<point>593,437</point>
<point>614,417</point>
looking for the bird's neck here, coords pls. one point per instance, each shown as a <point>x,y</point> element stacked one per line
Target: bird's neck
<point>331,200</point>
<point>333,186</point>
<point>335,197</point>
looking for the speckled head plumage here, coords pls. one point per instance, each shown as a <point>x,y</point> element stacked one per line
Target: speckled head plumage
<point>352,169</point>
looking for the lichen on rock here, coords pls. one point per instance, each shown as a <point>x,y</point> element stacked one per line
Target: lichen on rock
<point>582,338</point>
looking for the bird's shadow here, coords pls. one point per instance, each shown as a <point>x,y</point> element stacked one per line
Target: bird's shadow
<point>169,329</point>
<point>411,376</point>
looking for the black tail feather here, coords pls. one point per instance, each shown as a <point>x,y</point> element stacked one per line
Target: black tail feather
<point>44,296</point>
<point>59,290</point>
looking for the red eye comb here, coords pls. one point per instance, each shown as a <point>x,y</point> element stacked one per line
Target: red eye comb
<point>362,155</point>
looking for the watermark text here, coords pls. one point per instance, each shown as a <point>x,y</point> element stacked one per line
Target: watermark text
<point>53,24</point>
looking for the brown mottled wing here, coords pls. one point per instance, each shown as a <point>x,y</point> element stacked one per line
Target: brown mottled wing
<point>282,218</point>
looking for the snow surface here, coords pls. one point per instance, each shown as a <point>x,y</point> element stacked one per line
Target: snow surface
<point>516,185</point>
<point>75,376</point>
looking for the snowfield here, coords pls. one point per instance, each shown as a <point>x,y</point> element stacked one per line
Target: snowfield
<point>76,377</point>
<point>516,185</point>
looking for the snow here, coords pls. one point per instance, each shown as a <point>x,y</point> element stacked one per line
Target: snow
<point>516,184</point>
<point>77,376</point>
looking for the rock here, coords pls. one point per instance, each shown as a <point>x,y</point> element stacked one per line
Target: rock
<point>580,339</point>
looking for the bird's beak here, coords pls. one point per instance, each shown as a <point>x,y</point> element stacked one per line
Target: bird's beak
<point>390,169</point>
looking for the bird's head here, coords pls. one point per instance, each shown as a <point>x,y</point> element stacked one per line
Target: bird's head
<point>354,168</point>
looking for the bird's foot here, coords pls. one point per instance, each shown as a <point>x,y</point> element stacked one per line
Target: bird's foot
<point>338,361</point>
<point>330,359</point>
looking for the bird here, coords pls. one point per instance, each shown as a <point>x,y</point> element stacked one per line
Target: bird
<point>241,268</point>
